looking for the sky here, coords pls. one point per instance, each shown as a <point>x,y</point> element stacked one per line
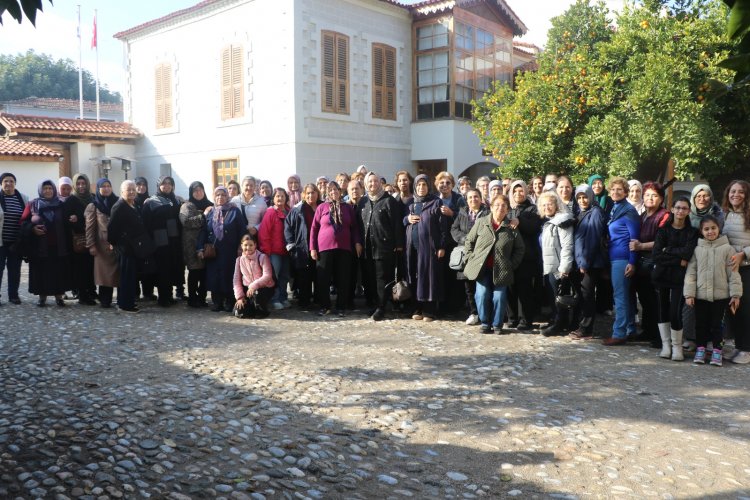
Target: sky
<point>55,32</point>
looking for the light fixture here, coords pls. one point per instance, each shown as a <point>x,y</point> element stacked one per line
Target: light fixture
<point>106,166</point>
<point>126,164</point>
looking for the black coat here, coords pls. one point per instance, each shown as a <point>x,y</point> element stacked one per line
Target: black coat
<point>297,234</point>
<point>672,246</point>
<point>125,225</point>
<point>529,227</point>
<point>381,226</point>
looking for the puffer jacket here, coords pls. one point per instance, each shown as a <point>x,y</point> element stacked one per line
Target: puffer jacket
<point>558,243</point>
<point>709,274</point>
<point>253,272</point>
<point>739,237</point>
<point>506,244</point>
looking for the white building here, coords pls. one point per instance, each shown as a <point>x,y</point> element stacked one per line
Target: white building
<point>229,88</point>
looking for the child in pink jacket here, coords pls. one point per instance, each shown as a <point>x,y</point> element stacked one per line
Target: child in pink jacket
<point>253,281</point>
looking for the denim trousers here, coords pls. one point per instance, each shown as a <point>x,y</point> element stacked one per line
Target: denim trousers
<point>624,324</point>
<point>280,265</point>
<point>491,300</point>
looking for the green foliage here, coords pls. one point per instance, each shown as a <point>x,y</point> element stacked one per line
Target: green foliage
<point>32,74</point>
<point>17,8</point>
<point>621,99</point>
<point>738,29</point>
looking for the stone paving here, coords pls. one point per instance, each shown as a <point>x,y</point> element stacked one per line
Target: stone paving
<point>183,403</point>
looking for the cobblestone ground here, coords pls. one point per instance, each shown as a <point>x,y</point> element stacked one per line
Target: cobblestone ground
<point>180,403</point>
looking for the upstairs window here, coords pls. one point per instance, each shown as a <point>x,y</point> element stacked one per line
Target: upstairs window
<point>335,71</point>
<point>383,81</point>
<point>433,80</point>
<point>232,83</point>
<point>163,95</point>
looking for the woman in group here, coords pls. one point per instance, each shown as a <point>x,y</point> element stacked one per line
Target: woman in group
<point>266,191</point>
<point>537,186</point>
<point>97,214</point>
<point>293,190</point>
<point>43,223</point>
<point>601,195</point>
<point>403,182</point>
<point>81,261</point>
<point>558,248</point>
<point>524,217</point>
<point>493,251</point>
<point>297,237</point>
<point>465,220</point>
<point>624,225</point>
<point>12,204</point>
<point>736,205</point>
<point>342,179</point>
<point>653,216</point>
<point>334,237</point>
<point>271,242</point>
<point>253,281</point>
<point>125,230</point>
<point>252,205</point>
<point>451,202</point>
<point>635,195</point>
<point>565,190</point>
<point>426,241</point>
<point>590,257</point>
<point>464,185</point>
<point>233,188</point>
<point>672,249</point>
<point>161,215</point>
<point>224,228</point>
<point>193,219</point>
<point>141,192</point>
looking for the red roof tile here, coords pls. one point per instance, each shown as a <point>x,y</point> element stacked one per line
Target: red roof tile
<point>14,147</point>
<point>67,104</point>
<point>31,124</point>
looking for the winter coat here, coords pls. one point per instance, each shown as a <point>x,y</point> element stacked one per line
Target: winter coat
<point>431,236</point>
<point>590,238</point>
<point>125,225</point>
<point>558,246</point>
<point>381,226</point>
<point>192,221</point>
<point>271,233</point>
<point>505,244</point>
<point>220,270</point>
<point>253,211</point>
<point>323,235</point>
<point>739,237</point>
<point>2,220</point>
<point>624,225</point>
<point>297,236</point>
<point>161,216</point>
<point>529,227</point>
<point>671,247</point>
<point>106,267</point>
<point>709,274</point>
<point>462,226</point>
<point>252,272</point>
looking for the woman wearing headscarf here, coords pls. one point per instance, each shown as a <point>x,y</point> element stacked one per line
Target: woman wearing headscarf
<point>146,275</point>
<point>297,238</point>
<point>426,240</point>
<point>97,214</point>
<point>493,251</point>
<point>64,188</point>
<point>266,191</point>
<point>272,244</point>
<point>81,261</point>
<point>125,229</point>
<point>141,191</point>
<point>294,186</point>
<point>193,219</point>
<point>601,195</point>
<point>524,217</point>
<point>224,228</point>
<point>465,220</point>
<point>635,195</point>
<point>43,223</point>
<point>161,215</point>
<point>334,236</point>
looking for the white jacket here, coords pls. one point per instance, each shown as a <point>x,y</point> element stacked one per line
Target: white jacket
<point>709,274</point>
<point>739,237</point>
<point>558,244</point>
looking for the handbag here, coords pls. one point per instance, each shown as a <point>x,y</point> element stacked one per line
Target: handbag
<point>400,291</point>
<point>456,260</point>
<point>79,243</point>
<point>209,251</point>
<point>565,295</point>
<point>143,246</point>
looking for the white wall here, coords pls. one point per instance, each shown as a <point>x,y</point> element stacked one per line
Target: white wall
<point>30,173</point>
<point>452,140</point>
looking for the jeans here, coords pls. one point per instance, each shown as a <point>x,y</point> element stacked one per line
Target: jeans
<point>491,300</point>
<point>13,261</point>
<point>280,265</point>
<point>624,323</point>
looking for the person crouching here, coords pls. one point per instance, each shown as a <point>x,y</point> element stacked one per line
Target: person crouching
<point>253,281</point>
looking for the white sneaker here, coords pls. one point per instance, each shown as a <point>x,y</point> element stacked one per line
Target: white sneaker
<point>728,350</point>
<point>472,320</point>
<point>742,358</point>
<point>688,346</point>
<point>277,306</point>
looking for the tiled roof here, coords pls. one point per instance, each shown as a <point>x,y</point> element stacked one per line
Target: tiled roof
<point>67,126</point>
<point>174,15</point>
<point>67,104</point>
<point>432,6</point>
<point>14,147</point>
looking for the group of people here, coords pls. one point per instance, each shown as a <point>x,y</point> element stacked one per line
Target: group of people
<point>508,253</point>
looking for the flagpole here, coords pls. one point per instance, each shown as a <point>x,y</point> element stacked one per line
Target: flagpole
<point>80,68</point>
<point>96,45</point>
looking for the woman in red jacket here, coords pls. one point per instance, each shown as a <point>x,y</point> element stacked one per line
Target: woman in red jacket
<point>271,239</point>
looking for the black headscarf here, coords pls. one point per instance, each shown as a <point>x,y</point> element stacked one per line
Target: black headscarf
<point>165,198</point>
<point>141,198</point>
<point>104,203</point>
<point>199,204</point>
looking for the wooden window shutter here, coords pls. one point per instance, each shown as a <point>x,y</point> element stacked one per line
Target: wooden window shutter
<point>390,83</point>
<point>383,82</point>
<point>226,83</point>
<point>163,95</point>
<point>167,79</point>
<point>237,83</point>
<point>159,97</point>
<point>378,79</point>
<point>335,72</point>
<point>232,83</point>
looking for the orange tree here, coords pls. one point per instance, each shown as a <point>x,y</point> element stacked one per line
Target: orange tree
<point>621,98</point>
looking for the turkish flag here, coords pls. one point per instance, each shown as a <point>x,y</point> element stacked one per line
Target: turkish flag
<point>93,38</point>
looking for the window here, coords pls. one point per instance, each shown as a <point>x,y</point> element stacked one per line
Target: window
<point>433,80</point>
<point>335,70</point>
<point>232,83</point>
<point>225,171</point>
<point>163,95</point>
<point>383,82</point>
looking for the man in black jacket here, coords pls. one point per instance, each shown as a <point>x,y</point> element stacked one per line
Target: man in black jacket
<point>381,218</point>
